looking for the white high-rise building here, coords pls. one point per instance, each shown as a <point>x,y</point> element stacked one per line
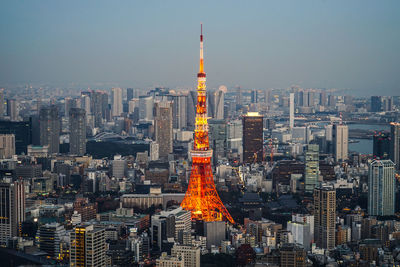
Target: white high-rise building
<point>146,104</point>
<point>117,102</point>
<point>340,139</point>
<point>381,188</point>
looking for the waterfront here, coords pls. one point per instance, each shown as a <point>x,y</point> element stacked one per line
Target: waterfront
<point>365,146</point>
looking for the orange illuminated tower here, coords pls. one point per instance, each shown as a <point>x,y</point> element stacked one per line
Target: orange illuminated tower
<point>201,196</point>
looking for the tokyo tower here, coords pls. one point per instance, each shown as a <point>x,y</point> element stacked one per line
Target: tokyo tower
<point>201,196</point>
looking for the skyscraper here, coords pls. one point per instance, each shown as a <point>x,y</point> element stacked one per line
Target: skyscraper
<point>129,94</point>
<point>179,111</point>
<point>7,146</point>
<point>217,130</point>
<point>325,216</point>
<point>376,103</point>
<point>381,188</point>
<point>1,103</point>
<point>88,247</point>
<point>252,137</point>
<point>117,102</point>
<point>216,104</point>
<point>254,96</point>
<point>191,109</point>
<point>291,110</point>
<point>163,128</point>
<point>340,139</point>
<point>50,128</point>
<point>12,212</point>
<point>395,143</point>
<point>12,109</point>
<point>77,126</point>
<point>381,145</point>
<point>146,104</point>
<point>312,167</point>
<point>49,237</point>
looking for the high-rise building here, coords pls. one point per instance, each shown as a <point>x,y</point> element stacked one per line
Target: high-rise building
<point>7,146</point>
<point>381,188</point>
<point>381,145</point>
<point>214,232</point>
<point>325,216</point>
<point>254,96</point>
<point>191,255</point>
<point>146,104</point>
<point>376,103</point>
<point>217,132</point>
<point>77,126</point>
<point>163,128</point>
<point>291,110</point>
<point>179,111</point>
<point>216,104</point>
<point>12,212</point>
<point>395,144</point>
<point>340,139</point>
<point>312,167</point>
<point>50,128</point>
<point>191,109</point>
<point>117,102</point>
<point>234,135</point>
<point>118,167</point>
<point>12,109</point>
<point>169,261</point>
<point>252,137</point>
<point>129,94</point>
<point>49,238</point>
<point>88,247</point>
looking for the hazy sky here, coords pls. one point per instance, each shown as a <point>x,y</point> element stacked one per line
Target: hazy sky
<point>255,44</point>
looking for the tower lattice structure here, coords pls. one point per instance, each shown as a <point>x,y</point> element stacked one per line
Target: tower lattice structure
<point>201,196</point>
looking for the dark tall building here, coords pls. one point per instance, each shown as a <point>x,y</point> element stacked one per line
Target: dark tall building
<point>77,136</point>
<point>163,128</point>
<point>252,137</point>
<point>381,148</point>
<point>22,131</point>
<point>376,103</point>
<point>395,144</point>
<point>254,96</point>
<point>50,128</point>
<point>293,255</point>
<point>129,94</point>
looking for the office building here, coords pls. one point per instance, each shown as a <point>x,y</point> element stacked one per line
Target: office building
<point>252,137</point>
<point>118,167</point>
<point>88,247</point>
<point>146,105</point>
<point>292,255</point>
<point>376,103</point>
<point>217,138</point>
<point>215,232</point>
<point>129,94</point>
<point>191,255</point>
<point>7,146</point>
<point>312,167</point>
<point>291,110</point>
<point>50,128</point>
<point>77,136</point>
<point>395,144</point>
<point>254,96</point>
<point>12,109</point>
<point>117,102</point>
<point>191,109</point>
<point>12,212</point>
<point>381,188</point>
<point>170,261</point>
<point>234,135</point>
<point>163,128</point>
<point>340,139</point>
<point>1,103</point>
<point>381,145</point>
<point>179,108</point>
<point>215,104</point>
<point>325,216</point>
<point>49,238</point>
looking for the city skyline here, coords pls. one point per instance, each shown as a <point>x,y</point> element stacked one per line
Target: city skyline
<point>263,45</point>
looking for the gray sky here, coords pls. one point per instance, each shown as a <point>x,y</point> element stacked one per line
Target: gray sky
<point>255,44</point>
